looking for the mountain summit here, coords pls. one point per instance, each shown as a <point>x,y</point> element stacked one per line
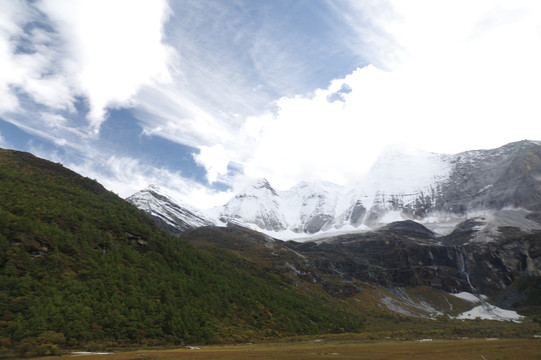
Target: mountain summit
<point>170,215</point>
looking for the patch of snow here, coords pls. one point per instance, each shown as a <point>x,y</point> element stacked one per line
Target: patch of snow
<point>85,353</point>
<point>404,170</point>
<point>306,200</point>
<point>346,229</point>
<point>444,224</point>
<point>486,311</point>
<point>515,217</point>
<point>392,216</point>
<point>394,305</point>
<point>485,188</point>
<point>289,234</point>
<point>467,296</point>
<point>404,305</point>
<point>429,220</point>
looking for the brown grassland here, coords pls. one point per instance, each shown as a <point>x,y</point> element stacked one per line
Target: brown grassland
<point>346,348</point>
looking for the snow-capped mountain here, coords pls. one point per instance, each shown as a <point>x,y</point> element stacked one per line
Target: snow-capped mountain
<point>305,208</point>
<point>437,190</point>
<point>259,204</point>
<point>170,215</point>
<point>401,184</point>
<point>312,207</point>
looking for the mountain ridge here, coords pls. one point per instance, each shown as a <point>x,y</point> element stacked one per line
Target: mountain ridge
<point>438,190</point>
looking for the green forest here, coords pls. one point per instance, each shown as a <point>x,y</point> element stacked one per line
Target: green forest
<point>79,266</point>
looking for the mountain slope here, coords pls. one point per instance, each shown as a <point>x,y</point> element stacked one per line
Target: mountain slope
<point>169,215</point>
<point>509,176</point>
<point>78,261</point>
<point>401,184</point>
<point>402,269</point>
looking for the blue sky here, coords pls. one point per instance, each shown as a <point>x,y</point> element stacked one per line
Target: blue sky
<point>200,97</point>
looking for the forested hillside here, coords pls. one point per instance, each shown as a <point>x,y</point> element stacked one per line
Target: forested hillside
<point>79,265</point>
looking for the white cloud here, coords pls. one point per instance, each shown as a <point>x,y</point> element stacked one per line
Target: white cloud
<point>116,47</point>
<point>126,176</point>
<point>3,142</point>
<point>172,113</point>
<point>461,76</point>
<point>369,30</point>
<point>319,139</point>
<point>102,50</point>
<point>9,101</point>
<point>214,159</point>
<point>53,120</point>
<point>32,71</point>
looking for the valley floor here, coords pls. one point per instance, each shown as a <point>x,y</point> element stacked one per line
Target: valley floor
<point>347,348</point>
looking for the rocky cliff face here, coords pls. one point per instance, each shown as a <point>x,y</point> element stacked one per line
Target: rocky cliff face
<point>509,176</point>
<point>408,254</point>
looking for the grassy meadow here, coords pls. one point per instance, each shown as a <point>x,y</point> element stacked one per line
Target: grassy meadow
<point>347,348</point>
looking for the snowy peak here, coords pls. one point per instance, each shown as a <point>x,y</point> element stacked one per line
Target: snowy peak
<point>260,187</point>
<point>402,184</point>
<point>171,215</point>
<point>509,176</point>
<point>311,207</point>
<point>263,184</point>
<point>306,208</point>
<point>258,204</point>
<point>401,170</point>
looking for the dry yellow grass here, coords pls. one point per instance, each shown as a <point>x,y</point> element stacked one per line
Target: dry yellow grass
<point>478,349</point>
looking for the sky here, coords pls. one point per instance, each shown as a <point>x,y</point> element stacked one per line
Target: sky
<point>200,97</point>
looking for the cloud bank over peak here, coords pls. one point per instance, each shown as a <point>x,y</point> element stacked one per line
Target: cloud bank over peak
<point>452,77</point>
